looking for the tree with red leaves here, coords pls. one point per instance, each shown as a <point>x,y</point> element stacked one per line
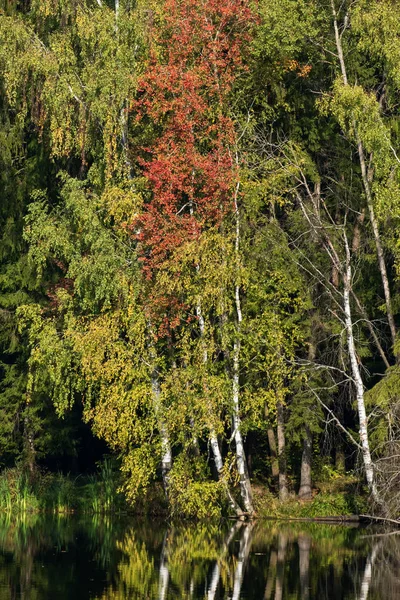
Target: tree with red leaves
<point>196,56</point>
<point>190,166</point>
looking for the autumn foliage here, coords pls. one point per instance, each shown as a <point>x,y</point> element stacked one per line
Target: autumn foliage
<point>184,93</point>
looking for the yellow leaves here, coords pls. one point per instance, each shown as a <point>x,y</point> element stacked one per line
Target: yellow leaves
<point>123,205</point>
<point>359,115</point>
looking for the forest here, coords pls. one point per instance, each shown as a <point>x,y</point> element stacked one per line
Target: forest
<point>199,254</point>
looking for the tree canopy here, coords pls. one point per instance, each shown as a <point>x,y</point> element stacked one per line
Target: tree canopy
<point>199,261</point>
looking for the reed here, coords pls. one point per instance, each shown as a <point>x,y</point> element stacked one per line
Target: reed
<point>22,492</point>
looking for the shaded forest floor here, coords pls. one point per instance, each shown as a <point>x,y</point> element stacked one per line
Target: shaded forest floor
<point>341,496</point>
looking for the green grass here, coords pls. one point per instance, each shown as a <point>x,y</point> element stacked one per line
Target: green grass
<point>21,492</point>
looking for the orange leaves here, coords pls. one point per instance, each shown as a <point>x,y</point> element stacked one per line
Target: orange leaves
<point>301,70</point>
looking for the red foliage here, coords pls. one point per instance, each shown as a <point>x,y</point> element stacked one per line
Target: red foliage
<point>185,90</point>
<point>195,58</point>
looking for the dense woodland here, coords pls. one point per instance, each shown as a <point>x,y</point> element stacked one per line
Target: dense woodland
<point>199,261</point>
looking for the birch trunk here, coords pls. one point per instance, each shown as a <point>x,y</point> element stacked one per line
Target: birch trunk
<point>116,15</point>
<point>367,189</point>
<point>166,455</point>
<point>29,443</point>
<point>283,487</point>
<point>245,485</point>
<point>218,461</point>
<point>244,480</point>
<point>362,416</point>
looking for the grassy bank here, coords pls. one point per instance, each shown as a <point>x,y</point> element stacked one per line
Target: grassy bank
<point>21,491</point>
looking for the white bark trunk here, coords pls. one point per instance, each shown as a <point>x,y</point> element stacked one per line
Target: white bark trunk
<point>378,244</point>
<point>273,455</point>
<point>362,416</point>
<point>166,455</point>
<point>116,15</point>
<point>218,461</point>
<point>367,189</point>
<point>245,485</point>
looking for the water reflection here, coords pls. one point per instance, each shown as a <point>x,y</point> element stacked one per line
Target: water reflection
<point>111,559</point>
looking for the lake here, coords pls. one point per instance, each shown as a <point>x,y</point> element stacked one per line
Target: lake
<point>104,558</point>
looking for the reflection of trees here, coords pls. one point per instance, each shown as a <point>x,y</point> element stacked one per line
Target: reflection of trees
<point>366,580</point>
<point>164,571</point>
<point>200,561</point>
<point>244,551</point>
<point>280,565</point>
<point>304,542</point>
<point>269,588</point>
<point>22,538</point>
<point>384,565</point>
<point>217,567</point>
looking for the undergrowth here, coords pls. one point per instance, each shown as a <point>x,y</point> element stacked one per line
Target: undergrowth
<point>22,491</point>
<point>343,496</point>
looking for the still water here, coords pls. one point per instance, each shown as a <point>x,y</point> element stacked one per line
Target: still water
<point>113,559</point>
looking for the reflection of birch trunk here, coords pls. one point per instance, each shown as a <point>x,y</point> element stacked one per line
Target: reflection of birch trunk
<point>245,486</point>
<point>217,569</point>
<point>26,569</point>
<point>366,580</point>
<point>304,542</point>
<point>280,567</point>
<point>271,575</point>
<point>164,571</point>
<point>191,588</point>
<point>367,187</point>
<point>244,551</point>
